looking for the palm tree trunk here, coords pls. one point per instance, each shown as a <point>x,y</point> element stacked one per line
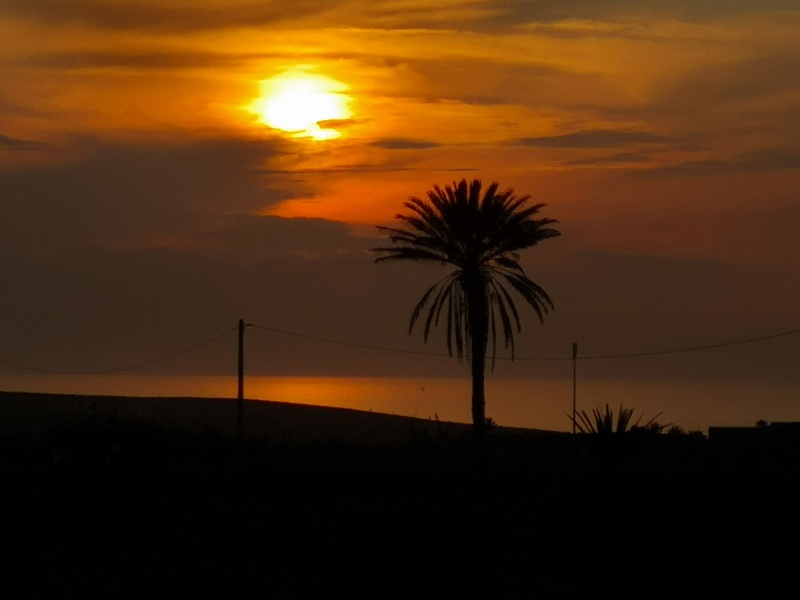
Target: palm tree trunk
<point>479,397</point>
<point>478,307</point>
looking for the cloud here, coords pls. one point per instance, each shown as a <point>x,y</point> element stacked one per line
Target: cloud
<point>131,250</point>
<point>116,191</point>
<point>514,12</point>
<point>772,159</point>
<point>404,144</point>
<point>98,308</point>
<point>620,158</point>
<point>355,168</point>
<point>490,80</point>
<point>158,16</point>
<point>270,238</point>
<point>185,16</point>
<point>642,303</point>
<point>113,59</point>
<point>748,162</point>
<point>595,138</point>
<point>17,145</point>
<point>757,75</point>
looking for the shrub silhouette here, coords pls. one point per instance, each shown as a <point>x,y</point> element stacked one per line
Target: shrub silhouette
<point>603,422</point>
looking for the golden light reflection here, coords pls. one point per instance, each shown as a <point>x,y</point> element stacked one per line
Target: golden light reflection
<point>301,103</point>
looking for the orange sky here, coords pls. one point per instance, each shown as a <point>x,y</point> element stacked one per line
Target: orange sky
<point>137,191</point>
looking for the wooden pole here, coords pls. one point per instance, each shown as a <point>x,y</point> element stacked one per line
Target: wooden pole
<point>574,383</point>
<point>240,397</point>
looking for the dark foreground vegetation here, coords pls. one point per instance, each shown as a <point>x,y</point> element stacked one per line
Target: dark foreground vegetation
<point>111,506</point>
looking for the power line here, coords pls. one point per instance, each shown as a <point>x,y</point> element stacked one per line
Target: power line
<point>399,351</point>
<point>121,369</point>
<point>694,348</point>
<point>342,343</point>
<point>550,358</point>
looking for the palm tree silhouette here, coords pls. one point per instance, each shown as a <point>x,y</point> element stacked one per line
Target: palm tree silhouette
<point>480,237</point>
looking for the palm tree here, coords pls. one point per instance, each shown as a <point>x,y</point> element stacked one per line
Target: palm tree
<point>480,236</point>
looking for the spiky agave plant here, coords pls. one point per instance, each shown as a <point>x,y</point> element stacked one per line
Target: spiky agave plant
<point>602,421</point>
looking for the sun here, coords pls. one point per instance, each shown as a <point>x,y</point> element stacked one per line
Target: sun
<point>300,103</point>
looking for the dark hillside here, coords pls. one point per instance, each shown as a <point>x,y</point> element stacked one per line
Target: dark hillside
<point>104,504</point>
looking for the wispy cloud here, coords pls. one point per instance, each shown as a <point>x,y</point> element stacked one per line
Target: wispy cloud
<point>112,59</point>
<point>17,145</point>
<point>404,144</point>
<point>156,16</point>
<point>620,158</point>
<point>762,161</point>
<point>596,138</point>
<point>118,190</point>
<point>547,11</point>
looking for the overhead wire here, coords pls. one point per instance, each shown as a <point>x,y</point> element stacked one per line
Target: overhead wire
<point>121,369</point>
<point>541,358</point>
<point>693,348</point>
<point>397,350</point>
<point>343,343</point>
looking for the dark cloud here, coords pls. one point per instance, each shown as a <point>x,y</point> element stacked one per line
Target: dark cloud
<point>469,16</point>
<point>270,239</point>
<point>596,138</point>
<point>772,159</point>
<point>757,76</point>
<point>130,15</point>
<point>15,110</point>
<point>486,82</point>
<point>516,12</point>
<point>138,60</point>
<point>186,17</point>
<point>18,145</point>
<point>728,102</point>
<point>620,158</point>
<point>387,166</point>
<point>404,144</point>
<point>645,303</point>
<point>121,191</point>
<point>131,251</point>
<point>749,162</point>
<point>177,59</point>
<point>105,308</point>
<point>356,168</point>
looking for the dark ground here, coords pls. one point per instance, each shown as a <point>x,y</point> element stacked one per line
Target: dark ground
<point>104,505</point>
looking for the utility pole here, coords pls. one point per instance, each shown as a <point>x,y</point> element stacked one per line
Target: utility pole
<point>574,383</point>
<point>240,397</point>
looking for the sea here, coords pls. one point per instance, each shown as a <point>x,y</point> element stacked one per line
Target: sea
<point>513,402</point>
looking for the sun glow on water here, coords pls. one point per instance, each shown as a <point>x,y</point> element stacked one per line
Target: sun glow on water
<point>534,403</point>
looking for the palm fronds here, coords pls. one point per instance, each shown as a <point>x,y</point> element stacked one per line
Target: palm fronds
<point>479,234</point>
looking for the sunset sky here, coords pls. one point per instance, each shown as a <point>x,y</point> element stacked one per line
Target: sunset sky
<point>146,203</point>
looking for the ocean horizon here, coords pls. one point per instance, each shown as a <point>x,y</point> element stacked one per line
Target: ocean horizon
<point>512,402</point>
